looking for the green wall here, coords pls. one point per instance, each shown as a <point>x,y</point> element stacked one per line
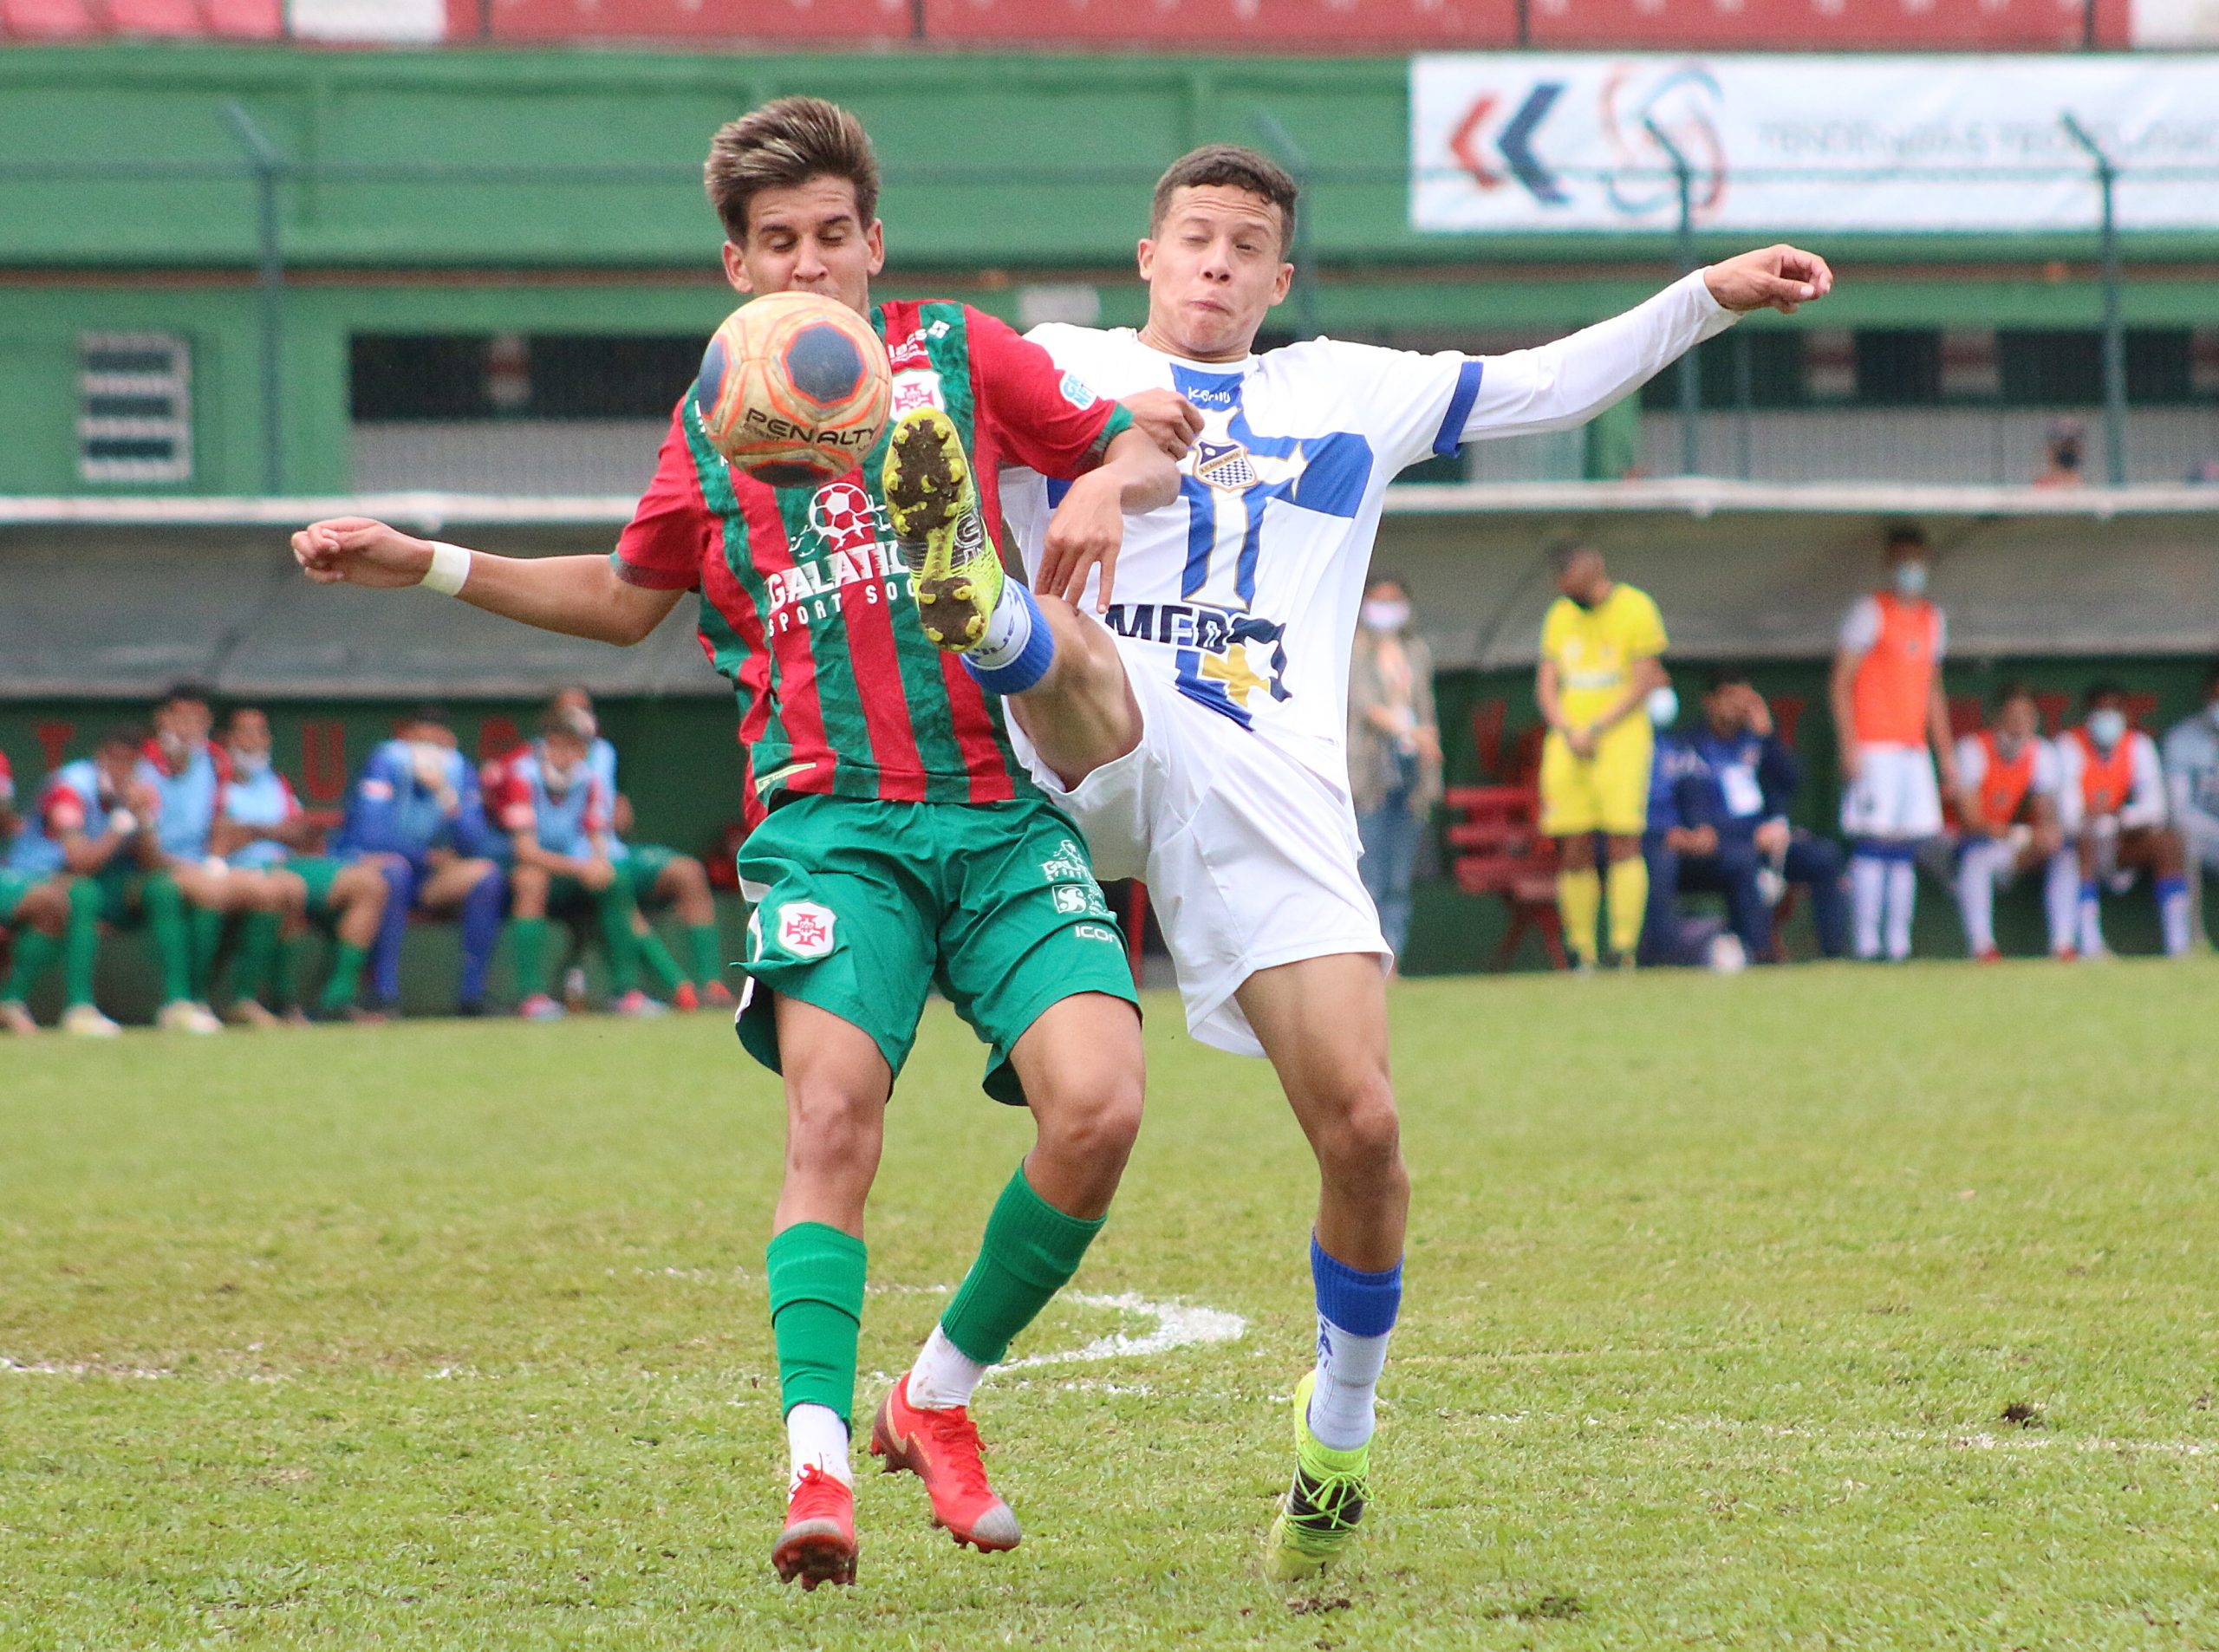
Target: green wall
<point>557,191</point>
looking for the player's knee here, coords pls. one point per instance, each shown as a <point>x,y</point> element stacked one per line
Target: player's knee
<point>1097,1122</point>
<point>1364,1138</point>
<point>829,1125</point>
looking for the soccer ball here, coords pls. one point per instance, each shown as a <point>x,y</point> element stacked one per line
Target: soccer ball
<point>795,389</point>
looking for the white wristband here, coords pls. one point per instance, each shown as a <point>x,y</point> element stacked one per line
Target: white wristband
<point>450,567</point>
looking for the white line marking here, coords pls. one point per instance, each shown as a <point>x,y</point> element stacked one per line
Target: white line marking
<point>1178,1324</point>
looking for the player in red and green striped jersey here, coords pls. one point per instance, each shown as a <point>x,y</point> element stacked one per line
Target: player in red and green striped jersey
<point>895,836</point>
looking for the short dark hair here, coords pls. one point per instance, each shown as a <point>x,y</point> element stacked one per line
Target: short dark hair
<point>568,721</point>
<point>430,712</point>
<point>788,141</point>
<point>2104,688</point>
<point>184,693</point>
<point>1379,576</point>
<point>1726,677</point>
<point>1565,550</point>
<point>1230,164</point>
<point>130,735</point>
<point>1906,533</point>
<point>2017,688</point>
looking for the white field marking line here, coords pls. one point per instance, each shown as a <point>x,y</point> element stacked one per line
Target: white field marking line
<point>1178,1324</point>
<point>1855,1438</point>
<point>49,1368</point>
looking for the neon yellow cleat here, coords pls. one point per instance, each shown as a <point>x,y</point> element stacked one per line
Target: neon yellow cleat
<point>1319,1513</point>
<point>955,571</point>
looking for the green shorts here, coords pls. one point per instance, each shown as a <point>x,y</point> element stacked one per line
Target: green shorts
<point>121,888</point>
<point>642,864</point>
<point>319,872</point>
<point>14,886</point>
<point>568,898</point>
<point>860,908</point>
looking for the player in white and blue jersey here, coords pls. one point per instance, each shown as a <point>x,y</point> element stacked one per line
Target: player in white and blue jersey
<point>556,812</point>
<point>1197,731</point>
<point>417,799</point>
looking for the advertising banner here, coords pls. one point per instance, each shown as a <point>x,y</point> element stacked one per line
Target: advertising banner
<point>1773,145</point>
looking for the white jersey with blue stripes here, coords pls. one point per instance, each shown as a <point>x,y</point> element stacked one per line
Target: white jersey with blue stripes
<point>1243,592</point>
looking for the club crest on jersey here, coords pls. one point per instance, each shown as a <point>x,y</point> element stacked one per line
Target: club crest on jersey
<point>805,928</point>
<point>915,389</point>
<point>1067,865</point>
<point>1224,465</point>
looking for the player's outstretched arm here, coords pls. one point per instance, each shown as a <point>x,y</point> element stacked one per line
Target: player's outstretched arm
<point>581,597</point>
<point>1561,385</point>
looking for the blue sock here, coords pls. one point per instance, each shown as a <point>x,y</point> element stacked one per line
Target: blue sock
<point>481,931</point>
<point>1018,649</point>
<point>1356,1314</point>
<point>384,950</point>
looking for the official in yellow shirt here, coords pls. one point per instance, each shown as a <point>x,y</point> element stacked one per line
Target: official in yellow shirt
<point>1600,648</point>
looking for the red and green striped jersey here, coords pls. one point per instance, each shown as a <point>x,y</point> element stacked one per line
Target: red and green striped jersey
<point>805,602</point>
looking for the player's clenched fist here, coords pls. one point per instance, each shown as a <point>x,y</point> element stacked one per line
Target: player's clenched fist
<point>1775,277</point>
<point>359,551</point>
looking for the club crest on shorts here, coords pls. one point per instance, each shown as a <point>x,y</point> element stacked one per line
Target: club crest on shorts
<point>805,928</point>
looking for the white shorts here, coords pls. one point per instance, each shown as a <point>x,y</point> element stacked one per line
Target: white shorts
<point>1250,858</point>
<point>1896,794</point>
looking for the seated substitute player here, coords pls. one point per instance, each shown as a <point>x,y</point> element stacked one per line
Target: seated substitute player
<point>1203,745</point>
<point>1600,643</point>
<point>34,910</point>
<point>659,876</point>
<point>95,822</point>
<point>2191,759</point>
<point>189,772</point>
<point>417,800</point>
<point>556,812</point>
<point>2111,805</point>
<point>264,829</point>
<point>2007,809</point>
<point>1668,936</point>
<point>894,836</point>
<point>1747,778</point>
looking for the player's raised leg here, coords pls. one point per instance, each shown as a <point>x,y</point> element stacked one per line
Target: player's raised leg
<point>1080,1066</point>
<point>836,1086</point>
<point>1323,1022</point>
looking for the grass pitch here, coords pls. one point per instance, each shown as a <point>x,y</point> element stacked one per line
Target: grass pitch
<point>1812,1308</point>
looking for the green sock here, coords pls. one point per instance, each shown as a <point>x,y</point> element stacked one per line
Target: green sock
<point>285,970</point>
<point>707,948</point>
<point>346,977</point>
<point>614,906</point>
<point>257,954</point>
<point>165,907</point>
<point>34,950</point>
<point>529,937</point>
<point>659,961</point>
<point>1030,1252</point>
<point>817,1315</point>
<point>207,929</point>
<point>81,950</point>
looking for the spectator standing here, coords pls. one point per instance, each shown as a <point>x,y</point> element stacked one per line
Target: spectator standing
<point>2191,765</point>
<point>1743,779</point>
<point>1888,710</point>
<point>1601,648</point>
<point>2007,803</point>
<point>2112,801</point>
<point>1394,750</point>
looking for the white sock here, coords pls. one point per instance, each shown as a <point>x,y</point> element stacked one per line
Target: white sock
<point>1976,896</point>
<point>1868,888</point>
<point>2092,927</point>
<point>1348,1384</point>
<point>1902,896</point>
<point>2061,899</point>
<point>2172,918</point>
<point>944,1376</point>
<point>816,1438</point>
<point>1009,627</point>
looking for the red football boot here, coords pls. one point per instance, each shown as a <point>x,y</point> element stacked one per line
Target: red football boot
<point>717,996</point>
<point>941,1448</point>
<point>819,1546</point>
<point>684,997</point>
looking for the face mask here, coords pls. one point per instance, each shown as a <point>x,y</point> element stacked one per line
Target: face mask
<point>251,766</point>
<point>171,742</point>
<point>1663,707</point>
<point>2007,746</point>
<point>1386,615</point>
<point>1910,579</point>
<point>2106,728</point>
